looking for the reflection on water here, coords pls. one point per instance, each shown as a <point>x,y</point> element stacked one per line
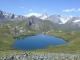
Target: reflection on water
<point>40,41</point>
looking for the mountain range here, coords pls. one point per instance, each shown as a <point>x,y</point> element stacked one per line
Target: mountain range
<point>4,16</point>
<point>70,23</point>
<point>55,18</point>
<point>18,24</point>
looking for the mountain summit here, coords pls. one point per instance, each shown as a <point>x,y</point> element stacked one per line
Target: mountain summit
<point>44,16</point>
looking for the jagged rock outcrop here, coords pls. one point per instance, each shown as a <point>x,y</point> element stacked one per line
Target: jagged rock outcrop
<point>34,22</point>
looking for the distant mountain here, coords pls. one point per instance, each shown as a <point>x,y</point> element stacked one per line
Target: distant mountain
<point>55,18</point>
<point>71,25</point>
<point>44,22</point>
<point>59,19</point>
<point>44,16</point>
<point>75,21</point>
<point>9,16</point>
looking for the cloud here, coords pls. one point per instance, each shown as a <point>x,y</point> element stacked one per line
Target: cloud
<point>70,10</point>
<point>30,10</point>
<point>67,10</point>
<point>78,9</point>
<point>22,7</point>
<point>35,14</point>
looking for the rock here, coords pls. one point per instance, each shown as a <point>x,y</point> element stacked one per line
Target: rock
<point>41,56</point>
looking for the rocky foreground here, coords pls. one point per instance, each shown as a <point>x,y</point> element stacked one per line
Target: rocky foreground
<point>41,56</point>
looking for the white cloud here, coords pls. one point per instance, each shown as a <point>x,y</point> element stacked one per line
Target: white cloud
<point>67,10</point>
<point>22,7</point>
<point>35,14</point>
<point>78,9</point>
<point>70,10</point>
<point>30,10</point>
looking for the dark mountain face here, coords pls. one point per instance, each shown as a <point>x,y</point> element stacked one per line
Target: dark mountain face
<point>1,15</point>
<point>39,24</point>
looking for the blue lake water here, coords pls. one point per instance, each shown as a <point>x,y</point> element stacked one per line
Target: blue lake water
<point>40,41</point>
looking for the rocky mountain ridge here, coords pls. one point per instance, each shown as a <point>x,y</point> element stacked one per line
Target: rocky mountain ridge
<point>10,16</point>
<point>55,18</point>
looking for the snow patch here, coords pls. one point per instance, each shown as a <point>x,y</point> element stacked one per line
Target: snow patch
<point>63,20</point>
<point>76,21</point>
<point>6,14</point>
<point>16,16</point>
<point>44,17</point>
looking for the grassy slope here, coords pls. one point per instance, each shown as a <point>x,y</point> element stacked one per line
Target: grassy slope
<point>72,47</point>
<point>6,40</point>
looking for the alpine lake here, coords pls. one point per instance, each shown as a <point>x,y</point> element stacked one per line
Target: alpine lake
<point>39,41</point>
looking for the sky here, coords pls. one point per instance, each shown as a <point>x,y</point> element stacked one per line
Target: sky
<point>37,7</point>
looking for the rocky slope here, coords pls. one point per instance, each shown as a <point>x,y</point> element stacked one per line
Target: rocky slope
<point>39,24</point>
<point>41,56</point>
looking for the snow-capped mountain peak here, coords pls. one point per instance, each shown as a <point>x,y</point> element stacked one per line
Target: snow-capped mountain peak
<point>44,16</point>
<point>55,18</point>
<point>65,19</point>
